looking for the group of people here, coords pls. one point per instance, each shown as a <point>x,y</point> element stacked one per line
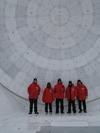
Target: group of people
<point>58,93</point>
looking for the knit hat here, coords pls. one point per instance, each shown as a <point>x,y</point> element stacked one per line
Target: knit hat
<point>59,80</point>
<point>35,79</point>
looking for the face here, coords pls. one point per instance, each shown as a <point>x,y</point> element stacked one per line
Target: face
<point>70,83</point>
<point>59,82</point>
<point>35,81</point>
<point>79,83</point>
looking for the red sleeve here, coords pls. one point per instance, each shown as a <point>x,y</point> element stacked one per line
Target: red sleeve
<point>52,94</point>
<point>39,89</point>
<point>66,93</point>
<point>43,96</point>
<point>76,91</point>
<point>28,89</point>
<point>64,88</point>
<point>86,91</point>
<point>54,88</point>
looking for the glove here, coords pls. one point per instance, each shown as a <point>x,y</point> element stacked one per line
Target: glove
<point>75,97</point>
<point>86,97</point>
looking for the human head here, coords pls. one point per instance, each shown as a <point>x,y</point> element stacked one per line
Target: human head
<point>35,80</point>
<point>70,83</point>
<point>59,80</point>
<point>79,82</point>
<point>48,85</point>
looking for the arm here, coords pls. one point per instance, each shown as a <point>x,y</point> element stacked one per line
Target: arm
<point>29,89</point>
<point>75,93</point>
<point>86,92</point>
<point>52,94</point>
<point>39,89</point>
<point>54,89</point>
<point>66,93</point>
<point>43,96</point>
<point>64,88</point>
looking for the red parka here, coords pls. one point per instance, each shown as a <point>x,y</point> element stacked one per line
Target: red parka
<point>34,90</point>
<point>71,93</point>
<point>48,95</point>
<point>82,92</point>
<point>59,91</point>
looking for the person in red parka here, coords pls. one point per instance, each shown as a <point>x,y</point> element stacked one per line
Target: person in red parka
<point>82,95</point>
<point>34,92</point>
<point>48,98</point>
<point>71,94</point>
<point>59,94</point>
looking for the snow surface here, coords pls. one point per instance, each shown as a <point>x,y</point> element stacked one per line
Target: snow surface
<point>14,116</point>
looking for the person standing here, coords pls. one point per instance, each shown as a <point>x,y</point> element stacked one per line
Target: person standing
<point>59,92</point>
<point>34,92</point>
<point>82,95</point>
<point>71,94</point>
<point>48,98</point>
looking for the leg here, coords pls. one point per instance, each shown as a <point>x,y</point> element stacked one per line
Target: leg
<point>50,107</point>
<point>74,106</point>
<point>69,107</point>
<point>57,106</point>
<point>31,105</point>
<point>46,107</point>
<point>62,105</point>
<point>84,106</point>
<point>35,106</point>
<point>80,107</point>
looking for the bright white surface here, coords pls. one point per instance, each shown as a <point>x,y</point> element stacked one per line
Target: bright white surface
<point>14,116</point>
<point>50,39</point>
